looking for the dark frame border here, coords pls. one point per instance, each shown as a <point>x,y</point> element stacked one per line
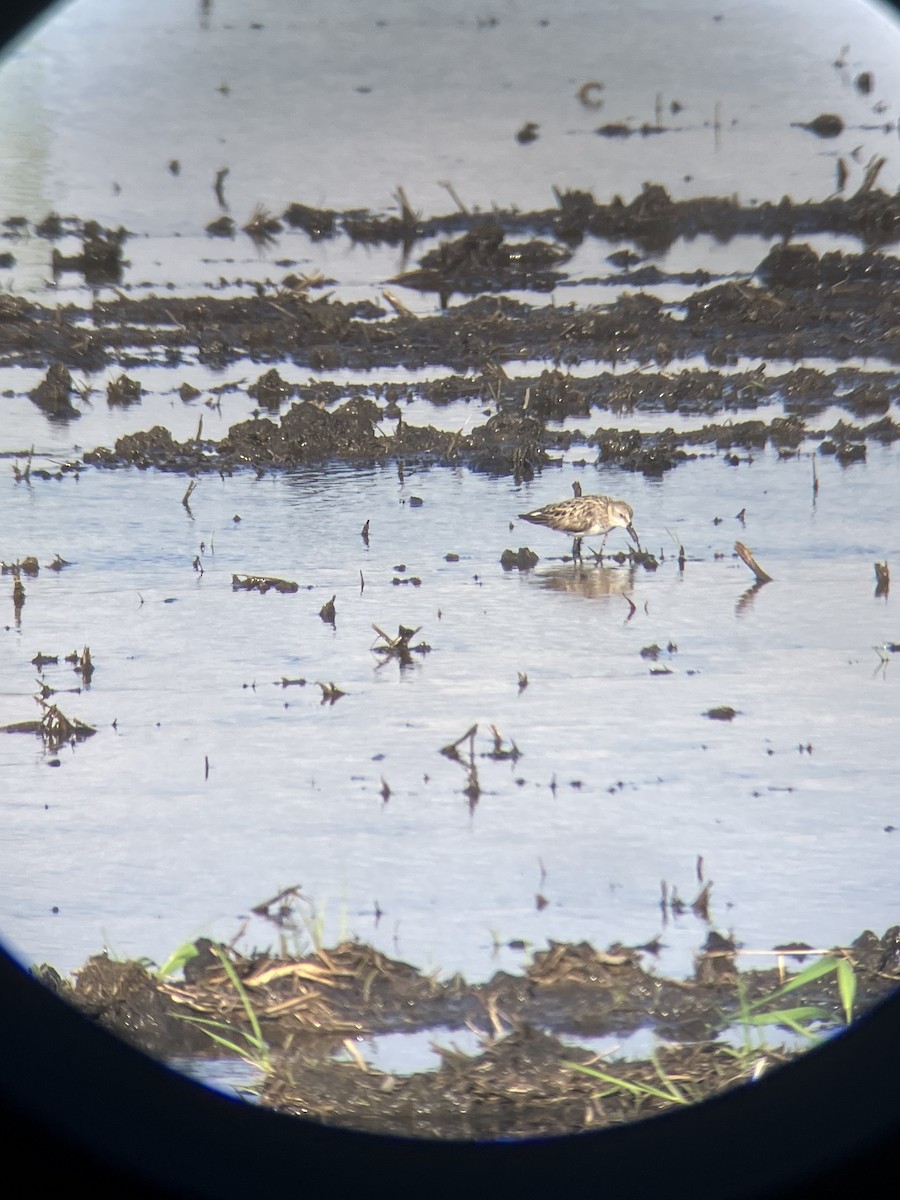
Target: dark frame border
<point>85,1106</point>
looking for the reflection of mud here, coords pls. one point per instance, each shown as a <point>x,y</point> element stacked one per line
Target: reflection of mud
<point>521,1083</point>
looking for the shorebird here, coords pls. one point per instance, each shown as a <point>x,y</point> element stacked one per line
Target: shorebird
<point>585,516</point>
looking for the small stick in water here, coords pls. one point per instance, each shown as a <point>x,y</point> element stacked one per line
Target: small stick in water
<point>882,579</point>
<point>744,553</point>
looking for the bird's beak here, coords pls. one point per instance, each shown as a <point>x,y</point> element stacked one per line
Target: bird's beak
<point>629,529</point>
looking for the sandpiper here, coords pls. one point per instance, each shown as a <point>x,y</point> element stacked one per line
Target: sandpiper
<point>585,516</point>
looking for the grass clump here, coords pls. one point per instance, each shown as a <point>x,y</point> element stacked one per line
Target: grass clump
<point>251,1046</point>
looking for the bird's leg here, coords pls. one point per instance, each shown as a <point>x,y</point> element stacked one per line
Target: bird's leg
<point>576,550</point>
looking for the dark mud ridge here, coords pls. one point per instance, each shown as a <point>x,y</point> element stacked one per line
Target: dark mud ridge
<point>525,1081</point>
<point>508,443</point>
<point>797,304</point>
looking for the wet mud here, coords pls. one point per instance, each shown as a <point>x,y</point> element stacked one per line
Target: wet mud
<point>509,443</point>
<point>797,304</point>
<point>314,1013</point>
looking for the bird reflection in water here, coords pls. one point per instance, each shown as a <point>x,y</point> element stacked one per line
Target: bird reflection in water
<point>590,582</point>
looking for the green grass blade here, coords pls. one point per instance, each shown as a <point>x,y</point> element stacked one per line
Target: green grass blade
<point>242,992</point>
<point>813,972</point>
<point>664,1079</point>
<point>177,959</point>
<point>636,1089</point>
<point>791,1016</point>
<point>846,978</point>
<point>240,1051</point>
<point>256,1048</point>
<point>207,1024</point>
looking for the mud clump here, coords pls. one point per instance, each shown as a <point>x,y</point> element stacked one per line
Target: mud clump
<point>221,227</point>
<point>100,260</point>
<point>825,125</point>
<point>845,443</point>
<point>522,559</point>
<point>521,1083</point>
<point>53,394</point>
<point>124,998</point>
<point>319,223</point>
<point>556,396</point>
<point>482,261</point>
<point>123,391</point>
<point>797,304</point>
<point>270,390</point>
<point>651,454</point>
<point>155,448</point>
<point>791,266</point>
<point>308,433</point>
<point>263,584</point>
<point>734,304</point>
<point>869,399</point>
<point>508,444</point>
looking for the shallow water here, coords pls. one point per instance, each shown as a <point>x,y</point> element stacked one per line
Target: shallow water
<point>231,1076</point>
<point>189,670</point>
<point>389,95</point>
<point>622,781</point>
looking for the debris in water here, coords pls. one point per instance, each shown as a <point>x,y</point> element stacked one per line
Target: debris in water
<point>327,611</point>
<point>825,125</point>
<point>123,391</point>
<point>52,394</point>
<point>263,584</point>
<point>330,692</point>
<point>882,579</point>
<point>747,557</point>
<point>589,94</point>
<point>262,228</point>
<point>54,727</point>
<point>522,559</point>
<point>723,713</point>
<point>399,647</point>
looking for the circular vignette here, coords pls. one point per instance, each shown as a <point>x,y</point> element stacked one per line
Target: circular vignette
<point>79,1106</point>
<point>84,1106</point>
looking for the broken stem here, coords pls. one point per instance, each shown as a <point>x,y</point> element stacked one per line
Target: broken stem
<point>744,553</point>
